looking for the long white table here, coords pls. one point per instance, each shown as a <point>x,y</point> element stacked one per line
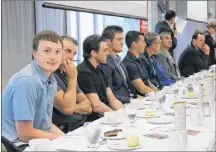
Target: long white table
<point>204,141</point>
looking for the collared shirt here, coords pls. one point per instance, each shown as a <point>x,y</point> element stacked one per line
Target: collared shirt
<point>135,68</point>
<point>117,59</point>
<point>29,95</point>
<point>92,80</point>
<point>62,79</point>
<point>150,66</point>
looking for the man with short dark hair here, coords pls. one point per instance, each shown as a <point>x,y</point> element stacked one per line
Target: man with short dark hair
<point>195,57</point>
<point>71,106</point>
<point>136,71</point>
<point>168,25</point>
<point>209,32</point>
<point>92,80</point>
<point>117,73</point>
<point>27,100</point>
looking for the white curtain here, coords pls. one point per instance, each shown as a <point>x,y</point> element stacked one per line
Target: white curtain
<point>18,29</point>
<point>50,19</point>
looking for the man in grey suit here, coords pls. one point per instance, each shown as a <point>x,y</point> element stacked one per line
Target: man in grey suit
<point>165,58</point>
<point>117,74</point>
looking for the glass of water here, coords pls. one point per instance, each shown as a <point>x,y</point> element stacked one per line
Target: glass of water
<point>92,133</point>
<point>130,112</point>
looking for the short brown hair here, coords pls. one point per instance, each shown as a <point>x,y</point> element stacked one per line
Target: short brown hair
<point>211,24</point>
<point>69,38</point>
<point>46,35</point>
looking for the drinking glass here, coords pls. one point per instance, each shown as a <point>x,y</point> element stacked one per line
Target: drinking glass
<point>130,112</point>
<point>92,133</point>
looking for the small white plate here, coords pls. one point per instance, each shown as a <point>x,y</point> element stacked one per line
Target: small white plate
<point>161,120</point>
<point>142,114</point>
<point>150,98</point>
<point>103,121</point>
<point>186,97</point>
<point>122,145</point>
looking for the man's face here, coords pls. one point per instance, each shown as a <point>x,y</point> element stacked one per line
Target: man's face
<point>101,55</point>
<point>200,41</point>
<point>212,30</point>
<point>140,47</point>
<point>117,43</point>
<point>166,42</point>
<point>69,50</point>
<point>156,45</point>
<point>48,56</point>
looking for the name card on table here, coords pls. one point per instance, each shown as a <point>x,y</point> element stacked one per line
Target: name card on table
<point>180,115</point>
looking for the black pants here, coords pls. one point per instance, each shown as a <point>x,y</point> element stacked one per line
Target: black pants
<point>70,122</point>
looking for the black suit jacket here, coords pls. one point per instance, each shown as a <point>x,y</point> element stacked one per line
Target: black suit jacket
<point>121,88</point>
<point>212,45</point>
<point>144,58</point>
<point>192,61</point>
<point>162,27</point>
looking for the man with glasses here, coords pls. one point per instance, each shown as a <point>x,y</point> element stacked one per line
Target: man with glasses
<point>153,43</point>
<point>211,28</point>
<point>195,57</point>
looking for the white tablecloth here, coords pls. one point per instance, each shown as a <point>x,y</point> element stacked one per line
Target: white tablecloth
<point>204,141</point>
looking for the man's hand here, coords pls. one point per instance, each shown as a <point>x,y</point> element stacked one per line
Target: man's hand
<point>206,49</point>
<point>69,68</point>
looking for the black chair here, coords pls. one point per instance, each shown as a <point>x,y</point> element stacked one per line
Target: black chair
<point>10,147</point>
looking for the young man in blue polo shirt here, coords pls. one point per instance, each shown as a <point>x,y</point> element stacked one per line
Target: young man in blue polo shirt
<point>27,100</point>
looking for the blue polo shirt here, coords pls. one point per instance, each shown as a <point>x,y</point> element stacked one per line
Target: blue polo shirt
<point>29,95</point>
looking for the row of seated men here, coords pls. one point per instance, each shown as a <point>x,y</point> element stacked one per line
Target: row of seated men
<point>51,92</point>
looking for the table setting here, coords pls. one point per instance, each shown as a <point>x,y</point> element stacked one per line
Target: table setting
<point>179,117</point>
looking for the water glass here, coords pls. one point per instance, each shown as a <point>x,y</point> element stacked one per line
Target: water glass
<point>92,133</point>
<point>130,112</point>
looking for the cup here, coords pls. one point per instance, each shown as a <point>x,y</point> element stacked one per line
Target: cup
<point>138,104</point>
<point>39,144</point>
<point>112,116</point>
<point>178,140</point>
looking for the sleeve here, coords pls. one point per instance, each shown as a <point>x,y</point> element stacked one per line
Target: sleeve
<point>24,99</point>
<point>59,87</point>
<point>86,82</point>
<point>200,63</point>
<point>107,70</point>
<point>133,72</point>
<point>210,41</point>
<point>164,63</point>
<point>174,42</point>
<point>78,89</point>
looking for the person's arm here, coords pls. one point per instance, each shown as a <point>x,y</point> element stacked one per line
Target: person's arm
<point>55,130</point>
<point>114,103</point>
<point>97,105</point>
<point>141,87</point>
<point>26,131</point>
<point>197,61</point>
<point>88,86</point>
<point>152,86</point>
<point>137,82</point>
<point>83,105</point>
<point>65,101</point>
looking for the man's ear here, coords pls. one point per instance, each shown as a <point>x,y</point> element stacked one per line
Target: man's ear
<point>93,53</point>
<point>108,41</point>
<point>34,52</point>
